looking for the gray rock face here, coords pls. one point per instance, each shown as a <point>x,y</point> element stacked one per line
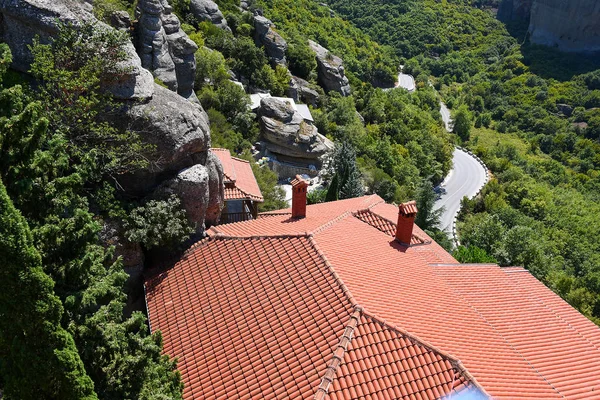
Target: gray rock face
<point>165,49</point>
<point>265,35</point>
<point>177,128</point>
<point>192,188</point>
<point>514,10</point>
<point>287,133</point>
<point>569,25</point>
<point>120,20</point>
<point>208,10</point>
<point>330,70</point>
<point>216,189</point>
<point>300,90</point>
<point>22,20</point>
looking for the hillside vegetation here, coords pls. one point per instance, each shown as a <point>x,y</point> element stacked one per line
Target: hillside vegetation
<point>536,124</point>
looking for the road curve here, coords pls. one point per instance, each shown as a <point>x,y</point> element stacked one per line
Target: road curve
<point>465,179</point>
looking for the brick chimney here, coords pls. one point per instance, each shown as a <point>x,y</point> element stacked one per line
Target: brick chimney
<point>406,219</point>
<point>299,189</point>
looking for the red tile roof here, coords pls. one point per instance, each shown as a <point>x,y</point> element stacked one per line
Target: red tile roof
<point>240,182</point>
<point>331,306</point>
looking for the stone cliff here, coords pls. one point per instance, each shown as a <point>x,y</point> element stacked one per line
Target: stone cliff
<point>570,26</point>
<point>178,128</point>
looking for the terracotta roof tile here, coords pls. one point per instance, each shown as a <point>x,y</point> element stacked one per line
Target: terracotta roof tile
<point>240,180</point>
<point>261,310</point>
<point>268,318</point>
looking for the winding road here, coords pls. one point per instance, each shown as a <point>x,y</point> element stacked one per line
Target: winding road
<point>466,178</point>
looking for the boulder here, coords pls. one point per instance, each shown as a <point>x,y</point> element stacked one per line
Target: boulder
<point>165,49</point>
<point>303,92</point>
<point>22,20</point>
<point>565,109</point>
<point>177,128</point>
<point>330,70</point>
<point>191,185</point>
<point>275,46</point>
<point>208,10</point>
<point>287,133</point>
<point>120,20</point>
<point>216,188</point>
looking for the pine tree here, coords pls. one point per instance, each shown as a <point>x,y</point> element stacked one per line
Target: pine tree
<point>344,167</point>
<point>38,358</point>
<point>427,217</point>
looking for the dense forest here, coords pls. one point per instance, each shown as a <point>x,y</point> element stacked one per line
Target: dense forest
<point>533,117</point>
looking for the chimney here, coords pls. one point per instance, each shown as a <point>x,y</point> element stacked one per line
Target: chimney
<point>299,189</point>
<point>406,219</point>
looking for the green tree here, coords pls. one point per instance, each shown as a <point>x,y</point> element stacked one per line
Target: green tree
<point>428,217</point>
<point>472,254</point>
<point>300,57</point>
<point>462,123</point>
<point>51,180</point>
<point>38,358</point>
<point>344,166</point>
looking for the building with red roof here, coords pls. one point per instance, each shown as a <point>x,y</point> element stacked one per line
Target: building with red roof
<point>242,193</point>
<point>351,300</point>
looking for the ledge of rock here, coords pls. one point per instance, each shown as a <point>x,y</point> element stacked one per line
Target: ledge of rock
<point>208,10</point>
<point>287,133</point>
<point>265,35</point>
<point>330,70</point>
<point>22,20</point>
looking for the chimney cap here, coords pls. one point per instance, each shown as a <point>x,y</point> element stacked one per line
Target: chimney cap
<point>408,208</point>
<point>298,181</point>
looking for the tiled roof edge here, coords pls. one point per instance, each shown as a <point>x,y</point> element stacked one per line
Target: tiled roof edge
<point>338,355</point>
<point>455,362</point>
<point>337,278</point>
<point>240,159</point>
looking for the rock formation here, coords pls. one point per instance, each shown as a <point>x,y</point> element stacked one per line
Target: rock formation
<point>514,10</point>
<point>165,49</point>
<point>208,10</point>
<point>178,128</point>
<point>330,70</point>
<point>22,20</point>
<point>301,90</point>
<point>287,133</point>
<point>570,26</point>
<point>264,34</point>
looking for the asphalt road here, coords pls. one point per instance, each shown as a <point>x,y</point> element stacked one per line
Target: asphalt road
<point>406,81</point>
<point>465,179</point>
<point>446,116</point>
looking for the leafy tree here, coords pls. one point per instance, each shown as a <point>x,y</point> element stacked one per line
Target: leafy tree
<point>333,192</point>
<point>51,179</point>
<point>472,254</point>
<point>159,223</point>
<point>462,123</point>
<point>301,57</point>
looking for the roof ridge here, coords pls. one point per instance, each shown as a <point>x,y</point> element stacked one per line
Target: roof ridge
<point>240,159</point>
<point>224,236</point>
<point>338,354</point>
<point>454,361</point>
<point>331,222</point>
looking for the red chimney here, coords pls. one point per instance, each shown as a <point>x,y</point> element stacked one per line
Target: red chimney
<point>299,189</point>
<point>406,219</point>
